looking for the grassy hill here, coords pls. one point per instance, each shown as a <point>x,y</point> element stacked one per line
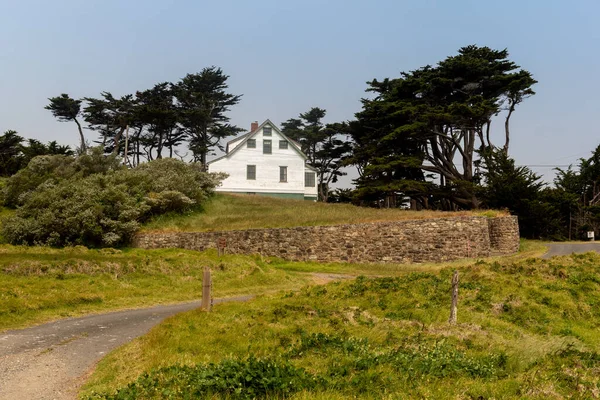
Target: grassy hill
<point>39,284</point>
<point>527,329</point>
<point>230,212</point>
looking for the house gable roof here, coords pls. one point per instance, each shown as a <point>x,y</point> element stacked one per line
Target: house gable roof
<point>295,145</point>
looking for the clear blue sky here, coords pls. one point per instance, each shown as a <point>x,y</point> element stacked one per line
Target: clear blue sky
<point>287,56</point>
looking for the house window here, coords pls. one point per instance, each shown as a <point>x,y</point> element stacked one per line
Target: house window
<point>283,144</point>
<point>251,172</point>
<point>282,174</point>
<point>251,143</point>
<point>309,179</point>
<point>267,131</point>
<point>266,147</point>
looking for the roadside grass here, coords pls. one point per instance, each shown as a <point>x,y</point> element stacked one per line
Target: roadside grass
<point>527,329</point>
<point>39,284</point>
<point>231,212</point>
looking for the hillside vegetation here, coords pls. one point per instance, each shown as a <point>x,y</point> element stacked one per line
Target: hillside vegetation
<point>527,329</point>
<point>39,284</point>
<point>93,200</point>
<point>231,212</point>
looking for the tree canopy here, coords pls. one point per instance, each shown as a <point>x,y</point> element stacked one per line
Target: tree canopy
<point>326,146</point>
<point>441,115</point>
<point>145,125</point>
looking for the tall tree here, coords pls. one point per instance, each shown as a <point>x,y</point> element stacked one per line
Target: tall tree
<point>156,110</point>
<point>448,109</point>
<point>324,145</point>
<point>10,153</point>
<point>203,103</point>
<point>330,155</point>
<point>67,109</point>
<point>518,189</point>
<point>388,158</point>
<point>308,131</point>
<point>110,117</point>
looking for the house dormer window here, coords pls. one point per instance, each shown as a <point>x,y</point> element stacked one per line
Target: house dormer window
<point>267,131</point>
<point>267,147</point>
<point>251,143</point>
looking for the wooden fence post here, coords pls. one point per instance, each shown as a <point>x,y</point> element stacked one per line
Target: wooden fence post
<point>453,308</point>
<point>221,244</point>
<point>206,290</point>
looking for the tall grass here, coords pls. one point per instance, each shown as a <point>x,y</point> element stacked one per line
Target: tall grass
<point>527,329</point>
<point>230,212</point>
<point>38,284</point>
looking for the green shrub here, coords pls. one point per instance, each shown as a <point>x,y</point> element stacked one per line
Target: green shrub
<point>54,169</point>
<point>251,378</point>
<point>91,202</point>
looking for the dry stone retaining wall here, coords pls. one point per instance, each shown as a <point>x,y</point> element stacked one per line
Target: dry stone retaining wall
<point>504,235</point>
<point>429,240</point>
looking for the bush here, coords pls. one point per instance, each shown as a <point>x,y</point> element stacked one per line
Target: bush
<point>252,378</point>
<point>96,202</point>
<point>55,168</point>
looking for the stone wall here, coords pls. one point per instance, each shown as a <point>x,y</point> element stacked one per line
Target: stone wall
<point>429,240</point>
<point>504,235</point>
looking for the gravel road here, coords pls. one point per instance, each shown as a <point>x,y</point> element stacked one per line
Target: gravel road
<point>564,249</point>
<point>51,361</point>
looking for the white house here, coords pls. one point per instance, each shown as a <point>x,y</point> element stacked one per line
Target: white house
<point>266,162</point>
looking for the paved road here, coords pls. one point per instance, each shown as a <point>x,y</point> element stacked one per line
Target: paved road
<point>563,249</point>
<point>51,361</point>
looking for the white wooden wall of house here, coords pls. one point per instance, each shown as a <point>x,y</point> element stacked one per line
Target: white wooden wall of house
<point>267,167</point>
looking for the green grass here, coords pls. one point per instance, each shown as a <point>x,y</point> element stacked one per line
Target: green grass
<point>527,329</point>
<point>231,212</point>
<point>39,284</point>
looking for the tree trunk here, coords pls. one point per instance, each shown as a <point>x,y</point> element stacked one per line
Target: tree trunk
<point>118,140</point>
<point>159,146</point>
<point>83,146</point>
<point>487,133</point>
<point>507,125</point>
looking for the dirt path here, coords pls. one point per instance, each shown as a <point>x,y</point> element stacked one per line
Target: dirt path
<point>51,361</point>
<point>564,249</point>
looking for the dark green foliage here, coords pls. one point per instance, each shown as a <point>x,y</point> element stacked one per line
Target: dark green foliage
<point>66,109</point>
<point>387,157</point>
<point>156,112</point>
<point>10,152</point>
<point>426,118</point>
<point>519,190</point>
<point>110,117</point>
<point>256,378</point>
<point>15,155</point>
<point>202,103</point>
<point>153,121</point>
<point>250,378</point>
<point>92,200</point>
<point>324,145</point>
